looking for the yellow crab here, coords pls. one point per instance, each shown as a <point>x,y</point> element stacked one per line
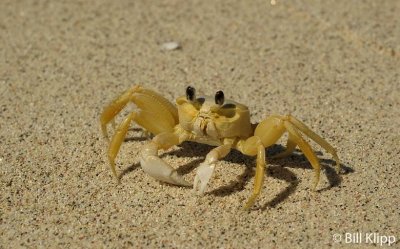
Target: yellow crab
<point>210,120</point>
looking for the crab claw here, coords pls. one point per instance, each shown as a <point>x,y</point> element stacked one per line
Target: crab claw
<point>206,169</point>
<point>158,169</point>
<point>204,173</point>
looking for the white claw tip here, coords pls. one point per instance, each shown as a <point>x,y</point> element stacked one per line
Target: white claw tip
<point>202,178</point>
<point>160,170</point>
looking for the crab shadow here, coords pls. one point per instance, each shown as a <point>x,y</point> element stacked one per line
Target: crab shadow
<point>278,169</point>
<point>128,170</point>
<point>298,160</point>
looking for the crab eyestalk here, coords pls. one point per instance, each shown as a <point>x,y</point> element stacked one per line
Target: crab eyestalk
<point>190,93</point>
<point>219,98</point>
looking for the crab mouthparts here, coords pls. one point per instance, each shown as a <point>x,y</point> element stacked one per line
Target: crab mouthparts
<point>205,127</point>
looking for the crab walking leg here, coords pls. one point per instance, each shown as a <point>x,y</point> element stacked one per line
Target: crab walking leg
<point>114,108</point>
<point>306,149</point>
<point>259,178</point>
<point>322,142</point>
<point>290,146</point>
<point>206,169</point>
<point>157,114</point>
<point>117,141</point>
<point>155,166</point>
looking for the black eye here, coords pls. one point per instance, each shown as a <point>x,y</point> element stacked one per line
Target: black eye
<point>219,98</point>
<point>190,93</point>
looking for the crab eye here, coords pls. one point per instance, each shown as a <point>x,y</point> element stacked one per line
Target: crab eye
<point>190,93</point>
<point>219,98</point>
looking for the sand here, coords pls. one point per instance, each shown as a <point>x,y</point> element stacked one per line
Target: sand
<point>332,64</point>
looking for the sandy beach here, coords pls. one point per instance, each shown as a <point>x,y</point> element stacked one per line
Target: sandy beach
<point>332,64</point>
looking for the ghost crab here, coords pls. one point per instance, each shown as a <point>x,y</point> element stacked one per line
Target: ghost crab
<point>210,120</point>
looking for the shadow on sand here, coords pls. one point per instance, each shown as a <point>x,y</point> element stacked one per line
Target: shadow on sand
<point>281,172</point>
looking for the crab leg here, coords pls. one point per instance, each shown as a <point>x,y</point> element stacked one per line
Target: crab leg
<point>322,142</point>
<point>206,169</point>
<point>253,146</point>
<point>274,126</point>
<point>155,166</point>
<point>157,113</point>
<point>306,149</point>
<point>298,125</point>
<point>117,141</point>
<point>114,108</point>
<point>259,178</point>
<point>290,146</point>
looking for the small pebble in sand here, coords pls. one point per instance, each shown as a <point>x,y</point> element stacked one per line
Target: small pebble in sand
<point>170,46</point>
